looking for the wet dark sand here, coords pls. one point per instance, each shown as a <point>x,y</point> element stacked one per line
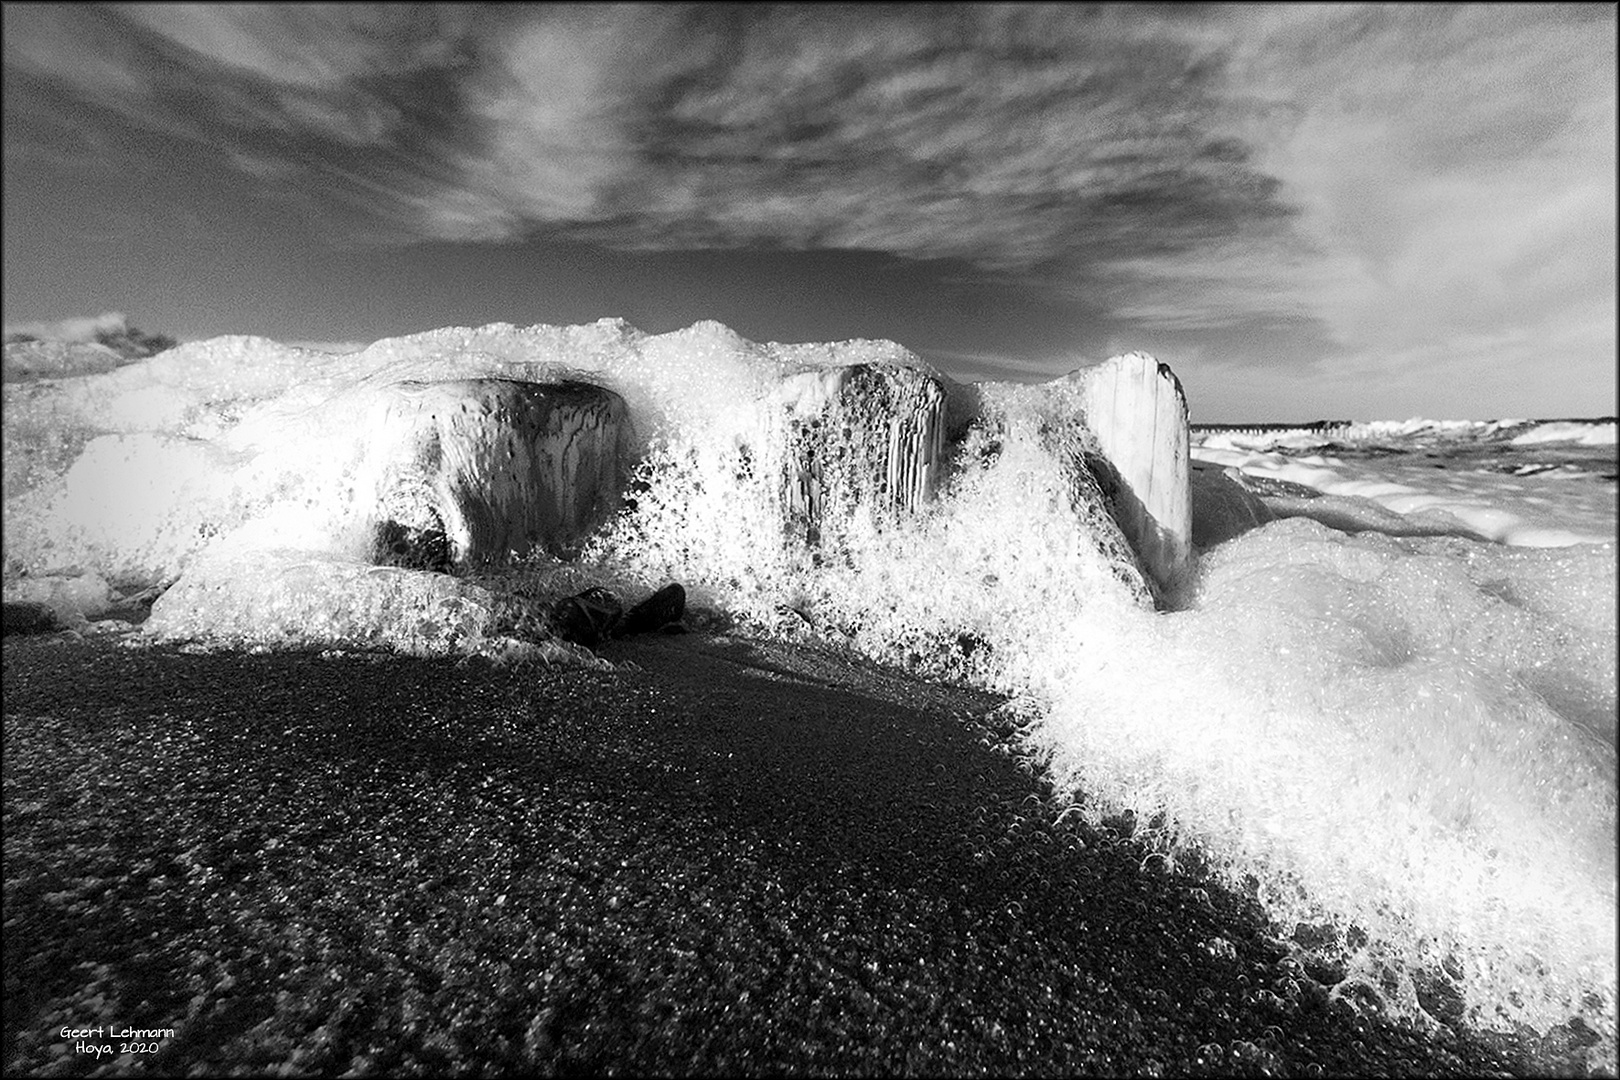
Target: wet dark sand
<point>730,859</point>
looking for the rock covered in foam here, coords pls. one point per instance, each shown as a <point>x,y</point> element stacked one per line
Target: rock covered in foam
<point>875,434</point>
<point>479,471</point>
<point>861,434</point>
<point>483,470</point>
<point>1135,408</point>
<point>1044,423</point>
<point>434,475</point>
<point>462,447</point>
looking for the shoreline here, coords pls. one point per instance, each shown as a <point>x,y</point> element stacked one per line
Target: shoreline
<point>724,856</point>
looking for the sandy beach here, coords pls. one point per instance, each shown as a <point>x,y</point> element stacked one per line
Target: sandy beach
<point>724,857</point>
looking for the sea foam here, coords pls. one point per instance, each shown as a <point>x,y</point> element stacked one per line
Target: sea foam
<point>1391,731</point>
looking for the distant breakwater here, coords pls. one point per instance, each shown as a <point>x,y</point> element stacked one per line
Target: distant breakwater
<point>1341,426</point>
<point>1328,426</point>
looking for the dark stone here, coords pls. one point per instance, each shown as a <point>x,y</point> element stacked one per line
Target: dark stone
<point>413,548</point>
<point>658,611</point>
<point>586,618</point>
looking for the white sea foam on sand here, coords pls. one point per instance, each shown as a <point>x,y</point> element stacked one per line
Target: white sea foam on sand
<point>1385,724</point>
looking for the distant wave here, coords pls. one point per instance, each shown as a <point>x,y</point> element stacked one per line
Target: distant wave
<point>1586,434</point>
<point>1402,434</point>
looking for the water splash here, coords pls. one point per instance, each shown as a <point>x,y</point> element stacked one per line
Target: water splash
<point>1410,740</point>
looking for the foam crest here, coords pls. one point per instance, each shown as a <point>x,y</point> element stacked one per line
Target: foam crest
<point>1370,722</point>
<point>1567,431</point>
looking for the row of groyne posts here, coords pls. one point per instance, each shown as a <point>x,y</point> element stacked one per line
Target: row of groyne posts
<point>1317,427</point>
<point>512,466</point>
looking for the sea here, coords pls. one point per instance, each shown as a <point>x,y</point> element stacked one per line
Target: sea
<point>1388,713</point>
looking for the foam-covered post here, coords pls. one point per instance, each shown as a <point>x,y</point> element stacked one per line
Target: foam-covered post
<point>865,433</point>
<point>483,470</point>
<point>1135,407</point>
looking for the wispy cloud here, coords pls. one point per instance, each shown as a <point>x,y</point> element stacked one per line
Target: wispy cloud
<point>79,47</point>
<point>1393,176</point>
<point>313,47</point>
<point>1454,168</point>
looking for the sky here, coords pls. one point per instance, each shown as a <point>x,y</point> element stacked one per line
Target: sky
<point>1308,211</point>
